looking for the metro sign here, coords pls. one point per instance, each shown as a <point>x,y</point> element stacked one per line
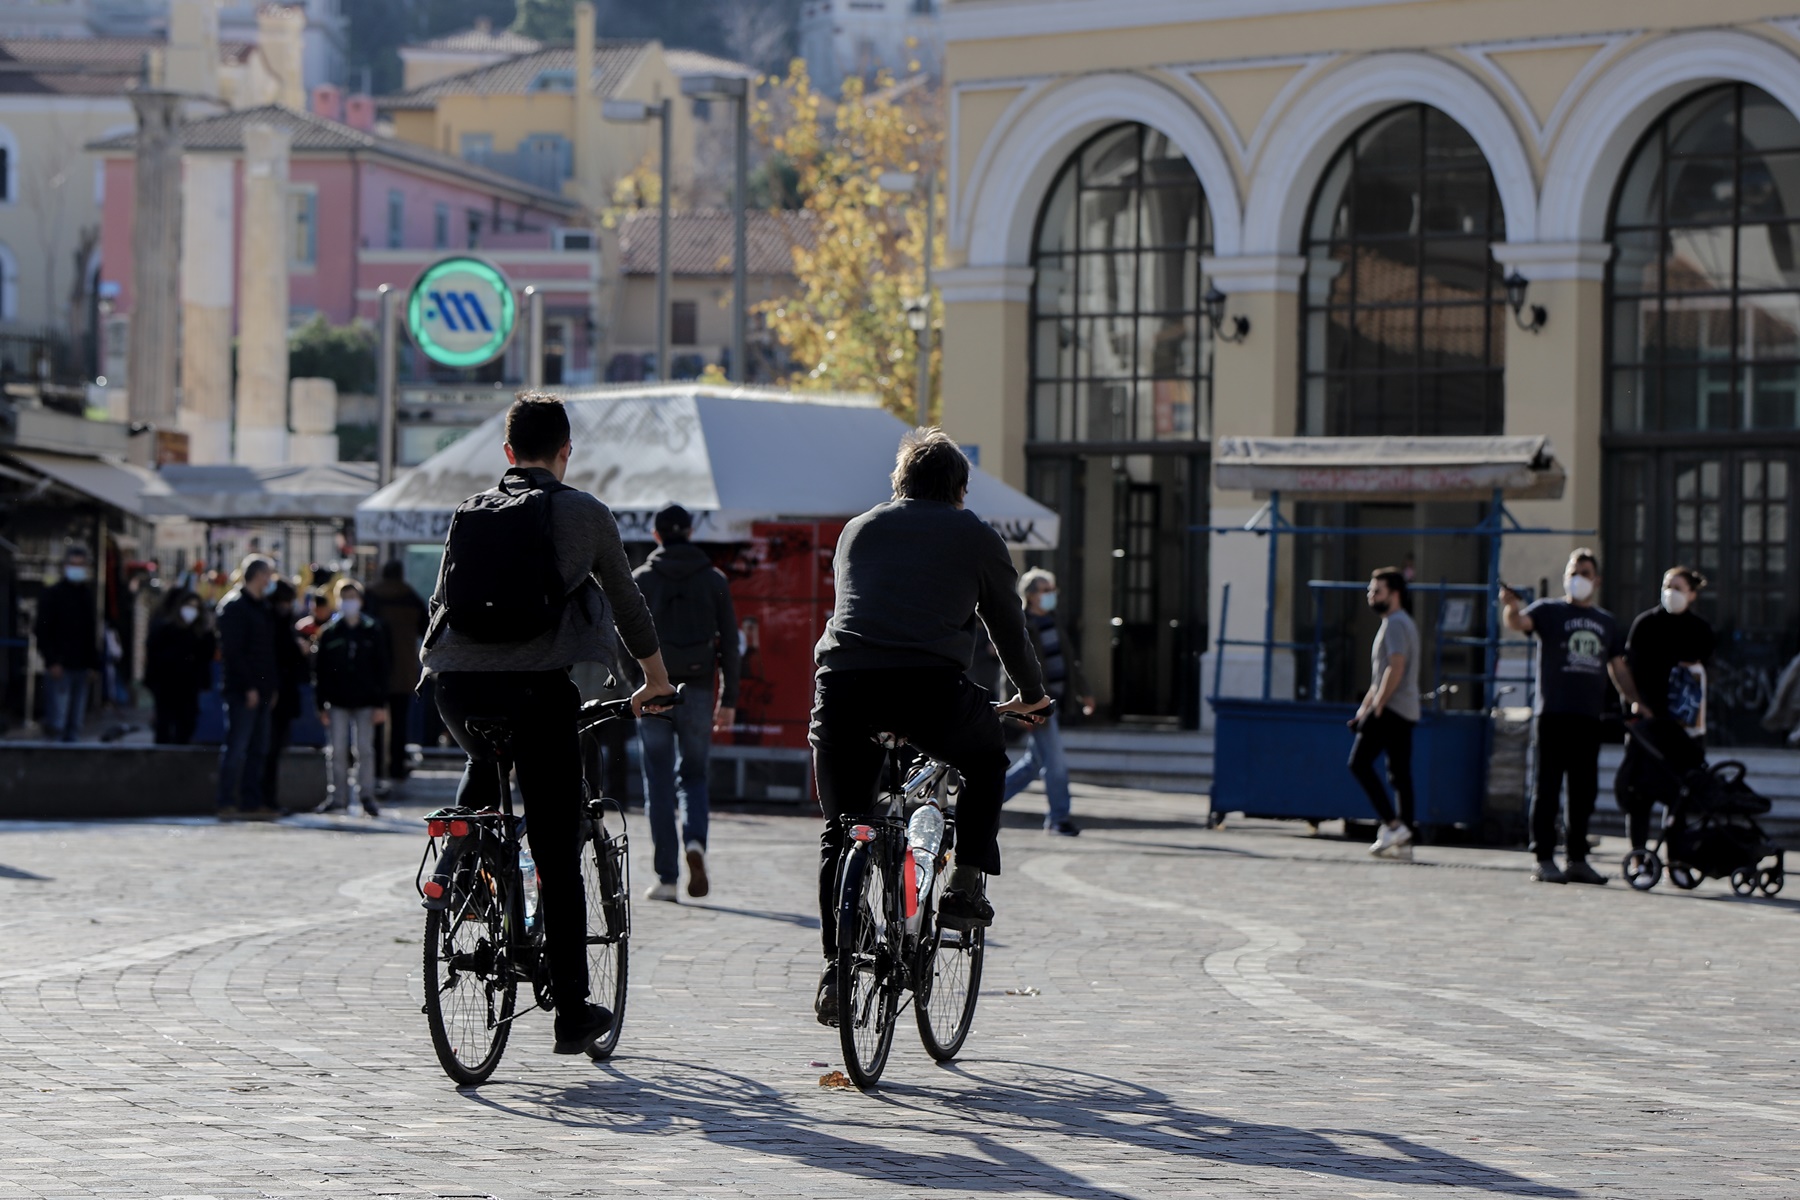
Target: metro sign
<point>461,312</point>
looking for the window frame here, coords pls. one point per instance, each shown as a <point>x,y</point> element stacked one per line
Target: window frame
<point>308,195</point>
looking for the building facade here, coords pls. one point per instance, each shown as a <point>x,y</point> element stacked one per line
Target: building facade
<point>1359,178</point>
<point>841,38</point>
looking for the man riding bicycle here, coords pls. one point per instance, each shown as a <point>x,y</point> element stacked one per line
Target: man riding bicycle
<point>515,606</point>
<point>912,576</point>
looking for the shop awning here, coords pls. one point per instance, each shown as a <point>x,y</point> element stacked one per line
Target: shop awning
<point>236,494</point>
<point>120,485</point>
<point>1389,468</point>
<point>731,456</point>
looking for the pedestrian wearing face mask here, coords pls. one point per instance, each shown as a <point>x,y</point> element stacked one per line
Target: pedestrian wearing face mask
<point>1579,646</point>
<point>178,658</point>
<point>1665,646</point>
<point>251,678</point>
<point>1063,682</point>
<point>351,668</point>
<point>1389,712</point>
<point>68,640</point>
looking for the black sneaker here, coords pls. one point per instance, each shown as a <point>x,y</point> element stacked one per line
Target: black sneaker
<point>1062,828</point>
<point>1578,871</point>
<point>1547,872</point>
<point>370,808</point>
<point>576,1032</point>
<point>825,999</point>
<point>965,911</point>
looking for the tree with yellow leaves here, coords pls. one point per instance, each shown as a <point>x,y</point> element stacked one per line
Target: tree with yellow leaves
<point>846,327</point>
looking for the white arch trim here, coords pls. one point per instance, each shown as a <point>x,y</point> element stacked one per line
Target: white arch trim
<point>1316,127</point>
<point>1626,99</point>
<point>1027,148</point>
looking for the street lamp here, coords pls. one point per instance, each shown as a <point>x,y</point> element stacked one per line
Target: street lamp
<point>637,112</point>
<point>736,89</point>
<point>1213,305</point>
<point>918,309</point>
<point>1515,299</point>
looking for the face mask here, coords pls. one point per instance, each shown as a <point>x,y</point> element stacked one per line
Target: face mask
<point>1047,602</point>
<point>189,614</point>
<point>1579,587</point>
<point>75,574</point>
<point>350,606</point>
<point>1674,601</point>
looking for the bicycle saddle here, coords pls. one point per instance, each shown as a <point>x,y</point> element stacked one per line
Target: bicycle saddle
<point>496,733</point>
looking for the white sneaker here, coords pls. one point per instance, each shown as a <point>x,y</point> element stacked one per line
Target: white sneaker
<point>1390,838</point>
<point>661,891</point>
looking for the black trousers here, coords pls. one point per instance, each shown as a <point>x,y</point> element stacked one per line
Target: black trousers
<point>1568,745</point>
<point>936,709</point>
<point>1642,782</point>
<point>1391,735</point>
<point>176,715</point>
<point>541,707</point>
<point>604,759</point>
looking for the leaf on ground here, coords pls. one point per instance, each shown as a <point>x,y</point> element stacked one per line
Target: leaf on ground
<point>835,1079</point>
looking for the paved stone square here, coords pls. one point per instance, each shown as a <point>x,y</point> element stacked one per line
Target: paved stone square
<point>192,1010</point>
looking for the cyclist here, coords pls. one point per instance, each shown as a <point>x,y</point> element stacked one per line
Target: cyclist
<point>913,575</point>
<point>480,675</point>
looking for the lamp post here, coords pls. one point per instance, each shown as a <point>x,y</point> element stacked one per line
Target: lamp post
<point>918,309</point>
<point>636,111</point>
<point>736,89</point>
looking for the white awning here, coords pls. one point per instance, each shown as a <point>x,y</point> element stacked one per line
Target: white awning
<point>121,485</point>
<point>1389,468</point>
<point>731,456</point>
<point>290,492</point>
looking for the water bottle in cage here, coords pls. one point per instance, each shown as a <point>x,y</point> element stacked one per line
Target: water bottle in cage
<point>924,838</point>
<point>528,873</point>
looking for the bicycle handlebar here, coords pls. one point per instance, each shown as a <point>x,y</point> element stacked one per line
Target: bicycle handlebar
<point>596,713</point>
<point>1033,719</point>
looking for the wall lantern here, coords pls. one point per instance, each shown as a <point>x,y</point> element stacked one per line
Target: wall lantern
<point>1516,284</point>
<point>1214,307</point>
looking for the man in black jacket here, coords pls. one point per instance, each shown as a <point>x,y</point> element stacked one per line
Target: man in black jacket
<point>690,600</point>
<point>911,577</point>
<point>68,641</point>
<point>251,679</point>
<point>351,667</point>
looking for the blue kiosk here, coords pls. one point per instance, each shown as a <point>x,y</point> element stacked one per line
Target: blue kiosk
<point>1279,757</point>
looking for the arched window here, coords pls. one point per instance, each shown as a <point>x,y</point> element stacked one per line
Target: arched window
<point>1119,350</point>
<point>1404,302</point>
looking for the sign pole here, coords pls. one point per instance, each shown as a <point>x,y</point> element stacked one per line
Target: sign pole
<point>534,339</point>
<point>386,395</point>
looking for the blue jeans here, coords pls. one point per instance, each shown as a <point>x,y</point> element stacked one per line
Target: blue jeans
<point>1043,756</point>
<point>65,705</point>
<point>241,757</point>
<point>675,759</point>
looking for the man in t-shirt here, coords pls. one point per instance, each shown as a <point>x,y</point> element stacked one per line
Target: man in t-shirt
<point>1384,721</point>
<point>1579,645</point>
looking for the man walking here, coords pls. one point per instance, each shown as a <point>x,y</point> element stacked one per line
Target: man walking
<point>1385,720</point>
<point>68,640</point>
<point>251,676</point>
<point>400,612</point>
<point>690,600</point>
<point>351,688</point>
<point>1578,645</point>
<point>1062,678</point>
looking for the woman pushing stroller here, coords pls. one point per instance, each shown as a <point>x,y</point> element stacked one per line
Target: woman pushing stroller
<point>1667,651</point>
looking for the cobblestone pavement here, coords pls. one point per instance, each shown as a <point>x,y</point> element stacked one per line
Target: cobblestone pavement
<point>190,1010</point>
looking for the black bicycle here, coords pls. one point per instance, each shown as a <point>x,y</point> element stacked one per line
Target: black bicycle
<point>484,934</point>
<point>891,879</point>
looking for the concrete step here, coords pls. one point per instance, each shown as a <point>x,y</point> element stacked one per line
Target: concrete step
<point>1150,760</point>
<point>1772,771</point>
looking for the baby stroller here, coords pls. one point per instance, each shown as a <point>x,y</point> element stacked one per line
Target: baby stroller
<point>1709,826</point>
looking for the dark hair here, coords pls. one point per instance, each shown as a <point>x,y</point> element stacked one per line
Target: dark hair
<point>1582,554</point>
<point>255,567</point>
<point>393,568</point>
<point>674,524</point>
<point>282,591</point>
<point>1695,580</point>
<point>930,467</point>
<point>1393,578</point>
<point>537,426</point>
<point>317,597</point>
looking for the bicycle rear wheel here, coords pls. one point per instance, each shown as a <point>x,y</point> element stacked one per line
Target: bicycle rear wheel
<point>868,972</point>
<point>470,991</point>
<point>605,877</point>
<point>950,980</point>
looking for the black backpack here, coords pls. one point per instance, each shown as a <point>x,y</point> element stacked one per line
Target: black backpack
<point>686,625</point>
<point>501,582</point>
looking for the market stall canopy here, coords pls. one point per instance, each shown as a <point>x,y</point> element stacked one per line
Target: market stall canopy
<point>121,485</point>
<point>731,456</point>
<point>237,494</point>
<point>1389,468</point>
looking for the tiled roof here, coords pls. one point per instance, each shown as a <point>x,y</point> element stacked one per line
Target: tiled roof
<point>82,66</point>
<point>698,62</point>
<point>613,63</point>
<point>480,38</point>
<point>700,241</point>
<point>313,134</point>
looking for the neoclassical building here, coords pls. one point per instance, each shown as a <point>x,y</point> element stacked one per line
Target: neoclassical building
<point>1359,178</point>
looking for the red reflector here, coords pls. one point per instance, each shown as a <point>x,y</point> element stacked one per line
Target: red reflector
<point>863,833</point>
<point>433,888</point>
<point>436,828</point>
<point>909,875</point>
<point>459,829</point>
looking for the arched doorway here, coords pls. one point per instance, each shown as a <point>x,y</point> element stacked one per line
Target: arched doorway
<point>1703,382</point>
<point>1121,365</point>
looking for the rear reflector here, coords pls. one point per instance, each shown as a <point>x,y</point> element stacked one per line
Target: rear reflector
<point>459,829</point>
<point>436,828</point>
<point>863,833</point>
<point>433,889</point>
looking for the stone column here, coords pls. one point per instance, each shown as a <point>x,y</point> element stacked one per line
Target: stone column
<point>262,425</point>
<point>156,258</point>
<point>986,364</point>
<point>191,62</point>
<point>587,113</point>
<point>313,403</point>
<point>280,35</point>
<point>208,219</point>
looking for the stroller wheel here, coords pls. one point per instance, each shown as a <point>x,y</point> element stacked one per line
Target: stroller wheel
<point>1743,880</point>
<point>1684,877</point>
<point>1642,869</point>
<point>1770,880</point>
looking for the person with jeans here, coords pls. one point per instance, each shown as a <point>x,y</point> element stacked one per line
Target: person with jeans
<point>690,600</point>
<point>567,539</point>
<point>68,641</point>
<point>1062,671</point>
<point>1579,645</point>
<point>251,677</point>
<point>401,613</point>
<point>1389,712</point>
<point>912,576</point>
<point>350,682</point>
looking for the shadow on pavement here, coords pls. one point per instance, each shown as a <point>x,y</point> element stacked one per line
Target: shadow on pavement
<point>7,872</point>
<point>735,1110</point>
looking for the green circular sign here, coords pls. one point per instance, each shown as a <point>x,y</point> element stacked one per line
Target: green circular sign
<point>461,312</point>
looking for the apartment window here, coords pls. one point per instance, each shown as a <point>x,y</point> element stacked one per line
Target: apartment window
<point>303,228</point>
<point>574,239</point>
<point>477,148</point>
<point>6,179</point>
<point>684,323</point>
<point>554,81</point>
<point>396,222</point>
<point>472,225</point>
<point>440,227</point>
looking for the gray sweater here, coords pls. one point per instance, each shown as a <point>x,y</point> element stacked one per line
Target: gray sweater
<point>587,548</point>
<point>912,576</point>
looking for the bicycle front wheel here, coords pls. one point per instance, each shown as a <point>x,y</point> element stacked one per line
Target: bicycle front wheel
<point>470,992</point>
<point>868,972</point>
<point>950,979</point>
<point>606,880</point>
